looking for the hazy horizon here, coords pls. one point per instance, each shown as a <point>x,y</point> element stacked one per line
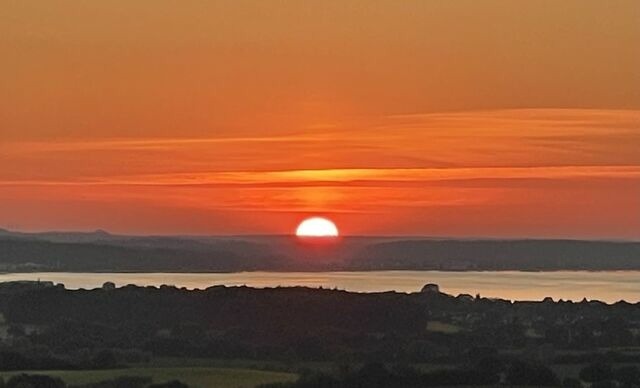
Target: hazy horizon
<point>292,235</point>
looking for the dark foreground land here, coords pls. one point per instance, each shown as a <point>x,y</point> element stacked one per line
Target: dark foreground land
<point>300,337</point>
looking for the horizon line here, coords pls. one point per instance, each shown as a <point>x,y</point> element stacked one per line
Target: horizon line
<point>281,235</point>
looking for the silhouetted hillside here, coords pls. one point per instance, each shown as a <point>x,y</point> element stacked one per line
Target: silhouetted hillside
<point>101,251</point>
<point>25,255</point>
<point>304,324</point>
<point>500,255</point>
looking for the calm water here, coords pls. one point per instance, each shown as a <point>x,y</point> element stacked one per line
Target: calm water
<point>606,286</point>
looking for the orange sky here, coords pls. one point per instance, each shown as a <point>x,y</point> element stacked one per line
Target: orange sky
<point>457,118</point>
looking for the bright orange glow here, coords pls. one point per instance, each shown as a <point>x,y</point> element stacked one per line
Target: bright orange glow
<point>317,227</point>
<point>388,117</point>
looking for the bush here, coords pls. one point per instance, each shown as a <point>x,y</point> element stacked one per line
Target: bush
<point>170,384</point>
<point>596,372</point>
<point>628,375</point>
<point>521,373</point>
<point>121,382</point>
<point>104,359</point>
<point>34,381</point>
<point>571,382</point>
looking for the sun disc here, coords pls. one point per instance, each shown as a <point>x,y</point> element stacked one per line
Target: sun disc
<point>317,227</point>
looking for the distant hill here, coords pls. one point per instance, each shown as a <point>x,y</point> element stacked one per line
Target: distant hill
<point>98,235</point>
<point>104,252</point>
<point>528,255</point>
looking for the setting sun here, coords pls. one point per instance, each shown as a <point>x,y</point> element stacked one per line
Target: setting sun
<point>317,227</point>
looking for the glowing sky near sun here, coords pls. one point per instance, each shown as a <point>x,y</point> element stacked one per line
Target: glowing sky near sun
<point>463,118</point>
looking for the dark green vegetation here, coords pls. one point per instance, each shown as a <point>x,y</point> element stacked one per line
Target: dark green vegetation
<point>36,380</point>
<point>100,251</point>
<point>487,373</point>
<point>142,377</point>
<point>329,338</point>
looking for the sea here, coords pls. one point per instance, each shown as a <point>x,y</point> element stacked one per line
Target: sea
<point>606,286</point>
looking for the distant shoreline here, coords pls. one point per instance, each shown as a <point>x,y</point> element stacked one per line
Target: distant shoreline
<point>288,271</point>
<point>337,271</point>
<point>101,252</point>
<point>608,286</point>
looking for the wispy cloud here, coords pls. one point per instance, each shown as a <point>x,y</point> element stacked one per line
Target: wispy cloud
<point>505,138</point>
<point>494,163</point>
<point>353,177</point>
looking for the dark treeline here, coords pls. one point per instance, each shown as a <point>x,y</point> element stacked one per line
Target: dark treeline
<point>89,328</point>
<point>378,375</point>
<point>24,380</point>
<point>487,373</point>
<point>378,337</point>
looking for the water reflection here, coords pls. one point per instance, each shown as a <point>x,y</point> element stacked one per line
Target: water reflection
<point>606,286</point>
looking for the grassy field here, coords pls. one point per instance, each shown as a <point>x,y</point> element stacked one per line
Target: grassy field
<point>265,365</point>
<point>442,327</point>
<point>202,377</point>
